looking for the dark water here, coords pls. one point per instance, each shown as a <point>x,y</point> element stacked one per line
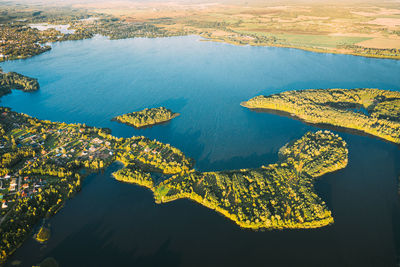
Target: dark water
<point>115,224</point>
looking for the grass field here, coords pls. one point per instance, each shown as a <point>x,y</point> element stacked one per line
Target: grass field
<point>313,40</point>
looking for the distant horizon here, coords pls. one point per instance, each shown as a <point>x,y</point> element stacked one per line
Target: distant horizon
<point>240,2</point>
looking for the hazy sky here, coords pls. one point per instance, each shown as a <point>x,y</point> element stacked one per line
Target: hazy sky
<point>67,2</point>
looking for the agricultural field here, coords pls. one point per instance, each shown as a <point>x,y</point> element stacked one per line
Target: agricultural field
<point>369,29</point>
<point>332,27</point>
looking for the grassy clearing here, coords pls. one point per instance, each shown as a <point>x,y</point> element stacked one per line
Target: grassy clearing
<point>311,40</point>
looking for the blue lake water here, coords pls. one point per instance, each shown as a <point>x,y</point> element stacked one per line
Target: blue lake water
<point>111,223</point>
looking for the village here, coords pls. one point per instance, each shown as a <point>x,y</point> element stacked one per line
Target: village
<point>26,150</point>
<point>41,166</point>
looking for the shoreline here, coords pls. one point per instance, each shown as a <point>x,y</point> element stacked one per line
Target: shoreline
<point>164,122</point>
<point>324,126</point>
<point>308,49</point>
<point>362,124</point>
<point>209,39</point>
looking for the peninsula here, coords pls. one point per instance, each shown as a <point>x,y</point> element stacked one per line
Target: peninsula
<point>276,196</point>
<point>372,111</point>
<point>13,80</point>
<point>147,117</point>
<point>40,163</point>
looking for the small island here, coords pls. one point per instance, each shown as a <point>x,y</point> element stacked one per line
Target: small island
<point>43,235</point>
<point>372,111</point>
<point>147,117</point>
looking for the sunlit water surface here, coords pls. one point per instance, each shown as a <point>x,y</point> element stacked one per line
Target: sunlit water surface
<point>114,224</point>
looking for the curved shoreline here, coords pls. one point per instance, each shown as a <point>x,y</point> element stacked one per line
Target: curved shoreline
<point>313,106</point>
<point>324,126</point>
<point>164,122</point>
<point>308,49</point>
<point>292,180</point>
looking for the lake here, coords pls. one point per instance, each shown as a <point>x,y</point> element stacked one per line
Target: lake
<point>115,224</point>
<point>45,26</point>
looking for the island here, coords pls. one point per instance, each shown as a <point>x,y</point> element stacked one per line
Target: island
<point>43,234</point>
<point>13,80</point>
<point>147,117</point>
<point>371,111</point>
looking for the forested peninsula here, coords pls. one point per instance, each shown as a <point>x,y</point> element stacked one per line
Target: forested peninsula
<point>147,117</point>
<point>13,80</point>
<point>276,196</point>
<point>372,111</point>
<point>40,163</point>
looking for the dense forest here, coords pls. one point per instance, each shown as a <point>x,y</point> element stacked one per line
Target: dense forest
<point>372,111</point>
<point>13,80</point>
<point>372,52</point>
<point>279,195</point>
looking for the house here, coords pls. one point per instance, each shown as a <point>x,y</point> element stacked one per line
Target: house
<point>4,205</point>
<point>25,186</point>
<point>13,184</point>
<point>97,141</point>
